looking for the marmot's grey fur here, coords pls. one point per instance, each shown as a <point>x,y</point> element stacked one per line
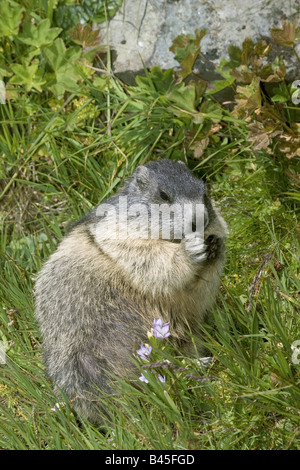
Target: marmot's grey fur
<point>98,294</point>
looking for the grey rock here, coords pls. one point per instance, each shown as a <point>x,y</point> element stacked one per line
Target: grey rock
<point>143,30</point>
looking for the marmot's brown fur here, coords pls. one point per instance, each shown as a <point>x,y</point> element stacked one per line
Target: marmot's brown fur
<point>98,294</point>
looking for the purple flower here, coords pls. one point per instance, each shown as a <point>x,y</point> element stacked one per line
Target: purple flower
<point>143,379</point>
<point>144,351</point>
<point>162,378</point>
<point>160,330</point>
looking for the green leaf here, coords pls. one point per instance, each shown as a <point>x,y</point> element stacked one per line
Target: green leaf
<point>57,55</point>
<point>68,16</point>
<point>62,61</point>
<point>184,97</point>
<point>235,55</point>
<point>98,10</point>
<point>212,111</point>
<point>51,5</point>
<point>162,80</point>
<point>186,48</point>
<point>39,35</point>
<point>4,72</point>
<point>281,94</point>
<point>219,85</point>
<point>248,52</point>
<point>156,79</point>
<point>279,98</point>
<point>277,73</point>
<point>262,48</point>
<point>10,18</point>
<point>68,80</point>
<point>29,76</point>
<point>58,90</point>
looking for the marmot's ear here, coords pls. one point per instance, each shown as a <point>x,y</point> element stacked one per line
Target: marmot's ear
<point>142,176</point>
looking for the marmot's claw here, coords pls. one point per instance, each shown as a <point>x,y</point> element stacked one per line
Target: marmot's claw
<point>214,245</point>
<point>200,250</point>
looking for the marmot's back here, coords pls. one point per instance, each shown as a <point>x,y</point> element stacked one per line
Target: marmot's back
<point>115,272</point>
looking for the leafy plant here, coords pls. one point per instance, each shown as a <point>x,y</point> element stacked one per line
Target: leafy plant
<point>264,100</point>
<point>36,51</point>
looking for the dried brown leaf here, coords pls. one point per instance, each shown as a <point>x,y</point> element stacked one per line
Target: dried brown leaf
<point>287,35</point>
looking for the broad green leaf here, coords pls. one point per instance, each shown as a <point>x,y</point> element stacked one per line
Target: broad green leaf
<point>279,98</point>
<point>72,53</point>
<point>219,85</point>
<point>4,72</point>
<point>67,79</point>
<point>61,60</point>
<point>162,80</point>
<point>51,5</point>
<point>224,69</point>
<point>67,16</point>
<point>57,55</point>
<point>212,111</point>
<point>156,80</point>
<point>281,94</point>
<point>39,35</point>
<point>10,18</point>
<point>58,90</point>
<point>235,54</point>
<point>248,52</point>
<point>183,97</point>
<point>29,76</point>
<point>186,48</point>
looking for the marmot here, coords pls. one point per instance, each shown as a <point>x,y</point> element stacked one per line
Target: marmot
<point>99,293</point>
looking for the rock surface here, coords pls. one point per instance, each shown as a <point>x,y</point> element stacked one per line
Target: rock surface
<point>143,30</point>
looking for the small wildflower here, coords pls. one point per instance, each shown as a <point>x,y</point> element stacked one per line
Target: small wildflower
<point>144,351</point>
<point>143,379</point>
<point>204,362</point>
<point>160,330</point>
<point>162,378</point>
<point>57,406</point>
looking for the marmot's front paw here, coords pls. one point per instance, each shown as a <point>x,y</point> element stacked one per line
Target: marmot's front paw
<point>195,248</point>
<point>199,250</point>
<point>214,246</point>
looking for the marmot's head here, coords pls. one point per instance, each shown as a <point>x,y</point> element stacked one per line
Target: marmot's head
<point>162,200</point>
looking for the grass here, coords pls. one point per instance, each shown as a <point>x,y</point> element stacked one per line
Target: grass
<point>57,161</point>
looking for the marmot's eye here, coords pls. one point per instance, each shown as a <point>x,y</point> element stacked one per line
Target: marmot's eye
<point>164,196</point>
